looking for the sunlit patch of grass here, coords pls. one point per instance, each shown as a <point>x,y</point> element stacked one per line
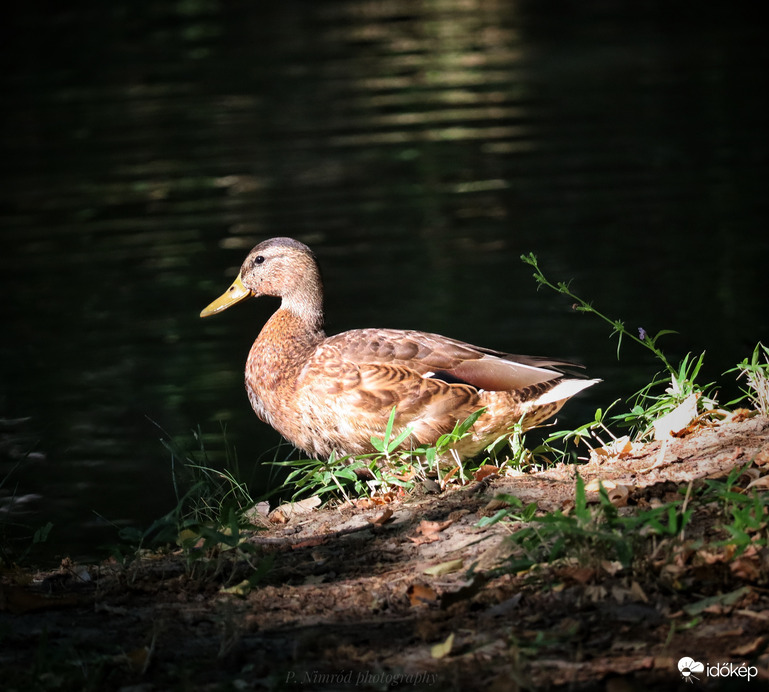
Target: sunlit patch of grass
<point>756,375</point>
<point>387,469</point>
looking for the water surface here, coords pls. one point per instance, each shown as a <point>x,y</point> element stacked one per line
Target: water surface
<point>419,148</point>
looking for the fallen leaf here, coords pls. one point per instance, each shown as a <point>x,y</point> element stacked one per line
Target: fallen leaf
<point>242,589</point>
<point>382,518</point>
<point>310,542</point>
<point>421,594</point>
<point>407,475</point>
<point>638,592</point>
<point>494,505</point>
<point>444,649</point>
<point>596,592</point>
<point>761,458</point>
<point>748,649</point>
<point>283,513</point>
<point>581,575</point>
<point>429,529</point>
<point>618,496</point>
<point>445,480</point>
<point>594,485</point>
<point>444,568</point>
<point>485,471</point>
<point>762,483</point>
<point>422,540</point>
<point>189,539</point>
<point>463,593</point>
<point>677,419</point>
<point>620,448</point>
<point>138,659</point>
<point>758,615</point>
<point>741,414</point>
<point>258,514</point>
<point>726,599</point>
<point>611,567</point>
<point>747,568</point>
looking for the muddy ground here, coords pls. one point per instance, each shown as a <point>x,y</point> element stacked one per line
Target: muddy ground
<point>357,598</point>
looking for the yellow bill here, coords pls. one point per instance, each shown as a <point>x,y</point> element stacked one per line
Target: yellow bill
<point>234,294</point>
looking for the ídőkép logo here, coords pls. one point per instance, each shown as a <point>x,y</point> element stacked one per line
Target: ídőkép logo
<point>690,669</point>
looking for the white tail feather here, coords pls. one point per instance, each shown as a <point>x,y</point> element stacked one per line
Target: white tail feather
<point>562,391</point>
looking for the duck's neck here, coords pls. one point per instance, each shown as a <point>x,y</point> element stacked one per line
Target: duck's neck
<point>286,341</point>
<point>289,329</point>
<point>305,305</point>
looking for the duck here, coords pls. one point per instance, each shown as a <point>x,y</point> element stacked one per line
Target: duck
<point>329,395</point>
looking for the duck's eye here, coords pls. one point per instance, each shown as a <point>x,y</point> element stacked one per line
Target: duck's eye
<point>258,259</point>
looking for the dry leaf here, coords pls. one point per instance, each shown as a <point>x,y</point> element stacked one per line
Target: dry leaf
<point>762,483</point>
<point>638,592</point>
<point>422,540</point>
<point>740,414</point>
<point>620,448</point>
<point>138,659</point>
<point>310,542</point>
<point>382,518</point>
<point>581,575</point>
<point>594,485</point>
<point>445,480</point>
<point>444,649</point>
<point>466,592</point>
<point>727,599</point>
<point>611,567</point>
<point>596,593</point>
<point>242,589</point>
<point>747,568</point>
<point>677,419</point>
<point>762,458</point>
<point>189,538</point>
<point>485,471</point>
<point>444,568</point>
<point>421,594</point>
<point>493,506</point>
<point>283,513</point>
<point>748,649</point>
<point>617,494</point>
<point>430,527</point>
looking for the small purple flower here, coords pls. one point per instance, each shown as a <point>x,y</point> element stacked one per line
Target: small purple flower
<point>641,333</point>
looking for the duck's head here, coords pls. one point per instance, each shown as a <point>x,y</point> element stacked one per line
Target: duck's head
<point>281,267</point>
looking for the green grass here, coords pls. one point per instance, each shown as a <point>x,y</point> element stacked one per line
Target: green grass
<point>385,470</point>
<point>591,533</point>
<point>755,372</point>
<point>208,526</point>
<point>594,533</point>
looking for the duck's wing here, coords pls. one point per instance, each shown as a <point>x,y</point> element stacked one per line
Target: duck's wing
<point>439,357</point>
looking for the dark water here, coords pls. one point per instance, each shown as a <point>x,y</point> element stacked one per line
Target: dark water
<point>420,148</point>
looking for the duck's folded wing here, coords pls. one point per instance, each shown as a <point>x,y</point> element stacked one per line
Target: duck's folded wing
<point>438,357</point>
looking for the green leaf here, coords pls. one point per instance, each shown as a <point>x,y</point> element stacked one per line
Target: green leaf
<point>399,440</point>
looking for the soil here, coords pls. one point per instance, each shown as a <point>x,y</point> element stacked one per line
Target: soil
<point>412,594</point>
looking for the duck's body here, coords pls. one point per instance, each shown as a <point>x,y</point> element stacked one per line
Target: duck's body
<point>332,394</point>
